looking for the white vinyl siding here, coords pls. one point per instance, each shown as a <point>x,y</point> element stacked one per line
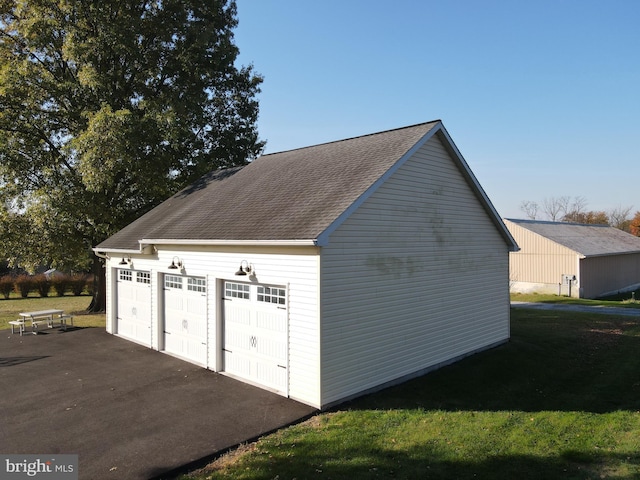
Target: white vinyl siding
<point>416,277</point>
<point>295,267</point>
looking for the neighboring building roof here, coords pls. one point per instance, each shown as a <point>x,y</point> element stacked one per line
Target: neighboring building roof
<point>586,239</point>
<point>296,195</point>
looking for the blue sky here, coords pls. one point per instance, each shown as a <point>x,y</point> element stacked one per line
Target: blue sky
<point>541,97</point>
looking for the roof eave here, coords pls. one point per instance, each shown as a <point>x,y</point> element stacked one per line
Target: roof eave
<point>213,242</point>
<point>144,249</point>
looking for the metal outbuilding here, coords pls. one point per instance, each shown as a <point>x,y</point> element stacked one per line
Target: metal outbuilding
<point>320,273</point>
<point>578,260</point>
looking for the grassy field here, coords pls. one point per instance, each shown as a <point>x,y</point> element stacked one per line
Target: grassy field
<point>561,400</point>
<point>10,308</point>
<point>535,297</point>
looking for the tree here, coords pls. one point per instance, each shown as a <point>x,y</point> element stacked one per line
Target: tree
<point>530,209</point>
<point>619,218</point>
<point>555,206</point>
<point>634,225</point>
<point>558,207</point>
<point>107,108</point>
<point>591,217</point>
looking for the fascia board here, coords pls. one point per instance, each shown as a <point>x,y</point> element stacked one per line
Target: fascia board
<point>276,243</point>
<point>119,251</point>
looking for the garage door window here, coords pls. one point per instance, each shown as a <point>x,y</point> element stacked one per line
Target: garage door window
<point>196,285</point>
<point>272,295</point>
<point>172,281</point>
<point>236,290</point>
<point>126,275</point>
<point>143,277</point>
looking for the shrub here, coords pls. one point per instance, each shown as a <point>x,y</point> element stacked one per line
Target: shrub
<point>61,283</point>
<point>23,285</point>
<point>77,282</point>
<point>42,284</point>
<point>6,285</point>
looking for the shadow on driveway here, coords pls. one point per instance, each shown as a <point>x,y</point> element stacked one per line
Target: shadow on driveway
<point>128,412</point>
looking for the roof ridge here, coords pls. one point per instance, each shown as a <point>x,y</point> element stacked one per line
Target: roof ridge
<point>551,222</point>
<point>353,138</point>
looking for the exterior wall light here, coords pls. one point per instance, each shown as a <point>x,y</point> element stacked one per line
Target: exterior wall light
<point>176,263</point>
<point>125,262</point>
<point>245,269</point>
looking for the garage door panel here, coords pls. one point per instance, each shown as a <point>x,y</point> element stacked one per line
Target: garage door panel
<point>196,306</point>
<point>271,321</point>
<point>237,364</point>
<point>185,318</point>
<point>237,314</point>
<point>255,334</point>
<point>236,340</point>
<point>270,375</point>
<point>173,325</point>
<point>195,327</point>
<point>271,349</point>
<point>133,305</point>
<point>172,343</point>
<point>173,302</point>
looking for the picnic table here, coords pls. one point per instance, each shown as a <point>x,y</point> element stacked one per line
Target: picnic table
<point>42,316</point>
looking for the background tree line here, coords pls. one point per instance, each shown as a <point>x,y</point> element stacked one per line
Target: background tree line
<point>574,210</point>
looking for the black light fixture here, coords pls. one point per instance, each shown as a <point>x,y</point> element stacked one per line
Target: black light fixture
<point>245,269</point>
<point>122,262</point>
<point>175,265</point>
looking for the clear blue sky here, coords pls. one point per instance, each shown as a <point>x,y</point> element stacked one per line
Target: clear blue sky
<point>541,97</point>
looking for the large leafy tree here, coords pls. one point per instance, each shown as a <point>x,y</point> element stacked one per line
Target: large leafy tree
<point>107,107</point>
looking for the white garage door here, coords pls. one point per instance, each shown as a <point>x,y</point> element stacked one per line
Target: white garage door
<point>133,299</point>
<point>185,317</point>
<point>255,341</point>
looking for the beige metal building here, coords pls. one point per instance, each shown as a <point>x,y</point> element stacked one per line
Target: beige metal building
<point>585,261</point>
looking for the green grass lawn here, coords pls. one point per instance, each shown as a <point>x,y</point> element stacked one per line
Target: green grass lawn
<point>548,298</point>
<point>561,400</point>
<point>77,306</point>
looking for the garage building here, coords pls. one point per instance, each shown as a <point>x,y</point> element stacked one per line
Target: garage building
<point>320,273</point>
<point>577,260</point>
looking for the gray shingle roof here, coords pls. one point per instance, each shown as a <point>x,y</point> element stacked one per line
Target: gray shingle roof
<point>587,240</point>
<point>287,196</point>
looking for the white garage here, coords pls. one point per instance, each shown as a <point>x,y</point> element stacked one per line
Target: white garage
<point>134,306</point>
<point>345,250</point>
<point>255,334</point>
<point>185,317</point>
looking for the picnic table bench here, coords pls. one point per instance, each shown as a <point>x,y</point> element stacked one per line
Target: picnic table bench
<point>48,317</point>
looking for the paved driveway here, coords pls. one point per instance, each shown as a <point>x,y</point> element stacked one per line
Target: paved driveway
<point>128,412</point>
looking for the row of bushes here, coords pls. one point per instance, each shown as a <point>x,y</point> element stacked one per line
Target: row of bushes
<point>23,285</point>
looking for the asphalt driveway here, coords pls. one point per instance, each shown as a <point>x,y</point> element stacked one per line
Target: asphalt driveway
<point>128,412</point>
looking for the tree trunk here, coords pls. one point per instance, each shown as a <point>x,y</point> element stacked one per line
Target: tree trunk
<point>99,302</point>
